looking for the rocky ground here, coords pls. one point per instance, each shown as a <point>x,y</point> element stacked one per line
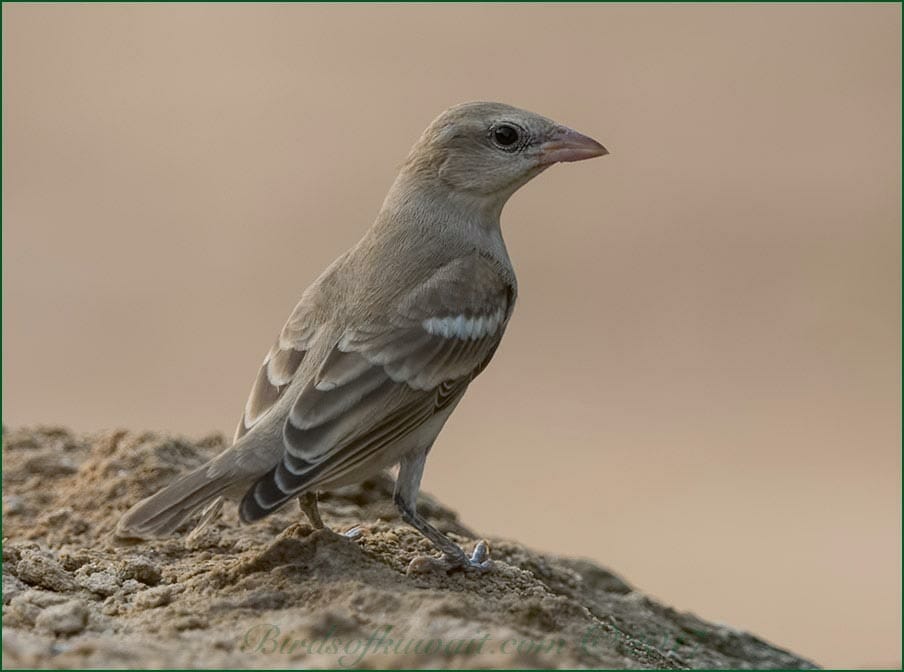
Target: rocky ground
<point>280,594</point>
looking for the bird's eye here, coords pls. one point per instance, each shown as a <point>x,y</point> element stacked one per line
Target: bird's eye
<point>506,135</point>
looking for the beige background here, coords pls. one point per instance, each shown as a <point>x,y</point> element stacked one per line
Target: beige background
<point>701,384</point>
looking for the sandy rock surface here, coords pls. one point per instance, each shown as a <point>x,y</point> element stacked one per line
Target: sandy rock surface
<point>280,594</point>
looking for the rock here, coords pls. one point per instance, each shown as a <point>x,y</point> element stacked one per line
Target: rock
<point>39,569</point>
<point>140,569</point>
<point>63,619</point>
<point>281,594</point>
<point>12,587</point>
<point>130,586</point>
<point>104,582</point>
<point>156,597</point>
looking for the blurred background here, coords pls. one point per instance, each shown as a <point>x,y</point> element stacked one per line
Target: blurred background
<point>700,387</point>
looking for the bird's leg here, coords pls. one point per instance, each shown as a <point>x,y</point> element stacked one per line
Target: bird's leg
<point>408,483</point>
<point>308,504</point>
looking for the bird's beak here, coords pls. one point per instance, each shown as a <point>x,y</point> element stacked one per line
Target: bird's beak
<point>567,145</point>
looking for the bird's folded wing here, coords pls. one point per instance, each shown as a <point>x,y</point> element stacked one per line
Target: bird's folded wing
<point>383,380</point>
<point>279,367</point>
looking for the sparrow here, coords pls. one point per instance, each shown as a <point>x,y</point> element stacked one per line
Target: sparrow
<point>383,345</point>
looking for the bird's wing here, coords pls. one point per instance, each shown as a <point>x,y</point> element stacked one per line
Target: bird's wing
<point>383,380</point>
<point>279,367</point>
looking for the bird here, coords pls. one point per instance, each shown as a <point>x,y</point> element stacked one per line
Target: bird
<point>384,343</point>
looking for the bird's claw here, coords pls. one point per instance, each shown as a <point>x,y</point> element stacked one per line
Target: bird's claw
<point>480,557</point>
<point>479,561</point>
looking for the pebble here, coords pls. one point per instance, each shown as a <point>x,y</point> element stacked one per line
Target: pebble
<point>156,597</point>
<point>103,583</point>
<point>141,569</point>
<point>130,586</point>
<point>41,570</point>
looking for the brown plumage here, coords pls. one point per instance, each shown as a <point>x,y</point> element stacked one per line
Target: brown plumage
<point>384,343</point>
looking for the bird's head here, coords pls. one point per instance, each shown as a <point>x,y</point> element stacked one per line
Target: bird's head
<point>488,150</point>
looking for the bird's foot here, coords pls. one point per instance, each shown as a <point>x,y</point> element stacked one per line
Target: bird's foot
<point>479,561</point>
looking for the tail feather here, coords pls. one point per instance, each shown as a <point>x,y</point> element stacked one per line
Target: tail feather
<point>209,514</point>
<point>160,514</point>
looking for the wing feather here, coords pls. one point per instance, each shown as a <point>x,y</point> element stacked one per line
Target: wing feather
<point>383,380</point>
<point>278,369</point>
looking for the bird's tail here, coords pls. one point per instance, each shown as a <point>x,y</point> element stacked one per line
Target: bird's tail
<point>160,514</point>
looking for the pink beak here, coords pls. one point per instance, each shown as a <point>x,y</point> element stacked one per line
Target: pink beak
<point>568,145</point>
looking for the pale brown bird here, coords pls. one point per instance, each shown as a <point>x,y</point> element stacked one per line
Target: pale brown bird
<point>384,343</point>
